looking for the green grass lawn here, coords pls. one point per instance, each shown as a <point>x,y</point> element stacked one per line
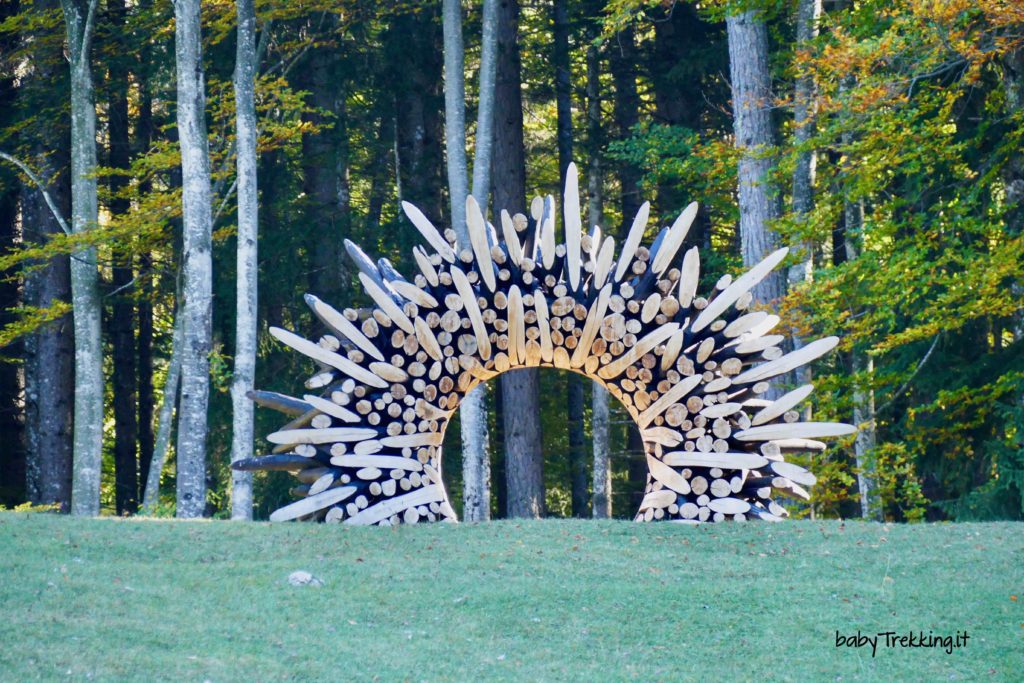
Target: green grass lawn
<point>150,600</point>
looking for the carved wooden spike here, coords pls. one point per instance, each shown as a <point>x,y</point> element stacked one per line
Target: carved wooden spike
<point>429,232</point>
<point>547,241</point>
<point>389,307</point>
<point>743,284</point>
<point>573,226</point>
<point>331,408</point>
<point>604,261</point>
<point>674,239</point>
<point>477,228</point>
<point>781,405</point>
<point>473,311</point>
<point>316,436</point>
<point>795,430</point>
<point>341,325</point>
<point>425,267</point>
<point>794,359</point>
<point>508,231</point>
<point>316,352</point>
<point>689,278</point>
<point>541,306</point>
<point>366,448</point>
<point>312,504</point>
<point>636,233</point>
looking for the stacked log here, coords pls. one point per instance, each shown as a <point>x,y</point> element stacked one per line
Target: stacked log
<point>691,370</point>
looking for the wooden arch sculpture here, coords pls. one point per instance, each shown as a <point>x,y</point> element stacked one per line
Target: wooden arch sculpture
<point>367,447</point>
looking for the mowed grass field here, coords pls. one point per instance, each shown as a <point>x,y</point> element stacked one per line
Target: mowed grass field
<point>148,600</point>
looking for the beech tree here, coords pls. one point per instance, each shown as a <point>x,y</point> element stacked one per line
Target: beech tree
<point>79,23</point>
<point>473,413</point>
<point>246,281</point>
<point>197,276</point>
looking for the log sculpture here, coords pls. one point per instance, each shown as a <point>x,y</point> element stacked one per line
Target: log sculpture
<point>365,443</point>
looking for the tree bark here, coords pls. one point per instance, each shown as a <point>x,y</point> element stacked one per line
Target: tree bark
<point>12,456</point>
<point>578,447</point>
<point>172,386</point>
<point>79,22</point>
<point>325,173</point>
<point>601,504</point>
<point>563,86</point>
<point>524,456</point>
<point>197,273</point>
<point>863,369</point>
<point>804,113</point>
<point>476,461</point>
<point>144,339</point>
<point>755,138</point>
<point>574,384</point>
<point>49,369</point>
<point>600,422</point>
<point>626,108</point>
<point>242,427</point>
<point>418,104</point>
<point>122,320</point>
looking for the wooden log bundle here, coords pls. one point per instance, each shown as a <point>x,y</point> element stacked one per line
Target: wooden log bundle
<point>365,437</point>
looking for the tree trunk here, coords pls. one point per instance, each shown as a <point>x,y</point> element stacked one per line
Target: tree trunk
<point>79,20</point>
<point>12,456</point>
<point>602,482</point>
<point>524,456</point>
<point>600,422</point>
<point>524,471</point>
<point>476,462</point>
<point>144,339</point>
<point>754,137</point>
<point>864,444</point>
<point>325,173</point>
<point>563,87</point>
<point>122,320</point>
<point>172,386</point>
<point>627,115</point>
<point>246,330</point>
<point>578,447</point>
<point>863,368</point>
<point>574,384</point>
<point>49,369</point>
<point>804,113</point>
<point>418,104</point>
<point>1012,66</point>
<point>197,275</point>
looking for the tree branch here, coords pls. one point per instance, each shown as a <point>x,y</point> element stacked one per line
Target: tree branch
<point>42,189</point>
<point>906,385</point>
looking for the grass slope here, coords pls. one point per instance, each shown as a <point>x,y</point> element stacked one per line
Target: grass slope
<point>151,600</point>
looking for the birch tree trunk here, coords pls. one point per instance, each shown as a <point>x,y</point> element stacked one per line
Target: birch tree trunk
<point>79,21</point>
<point>197,273</point>
<point>244,375</point>
<point>601,501</point>
<point>755,138</point>
<point>476,465</point>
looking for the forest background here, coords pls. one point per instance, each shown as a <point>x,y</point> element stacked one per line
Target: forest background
<point>885,146</point>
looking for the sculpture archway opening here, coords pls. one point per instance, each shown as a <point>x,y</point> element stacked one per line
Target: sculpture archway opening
<point>691,370</point>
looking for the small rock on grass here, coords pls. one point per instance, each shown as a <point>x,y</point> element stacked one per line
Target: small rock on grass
<point>303,578</point>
